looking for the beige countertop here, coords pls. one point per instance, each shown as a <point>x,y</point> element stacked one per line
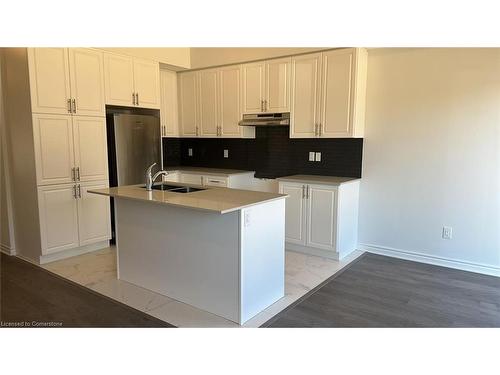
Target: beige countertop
<point>313,179</point>
<point>209,171</point>
<point>214,199</point>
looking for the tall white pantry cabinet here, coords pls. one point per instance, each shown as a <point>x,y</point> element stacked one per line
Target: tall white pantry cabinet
<point>56,111</point>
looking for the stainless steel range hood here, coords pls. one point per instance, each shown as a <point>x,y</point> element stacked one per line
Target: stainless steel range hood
<point>265,119</point>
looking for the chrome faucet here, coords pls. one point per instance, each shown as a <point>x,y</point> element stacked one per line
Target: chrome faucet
<point>150,179</point>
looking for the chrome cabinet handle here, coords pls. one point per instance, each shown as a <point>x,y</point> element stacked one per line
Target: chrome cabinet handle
<point>73,104</point>
<point>79,191</point>
<point>77,173</point>
<point>265,105</point>
<point>307,192</point>
<point>320,129</point>
<point>69,105</point>
<point>73,174</point>
<point>133,98</point>
<point>74,192</point>
<point>303,191</point>
<point>137,98</point>
<point>196,130</point>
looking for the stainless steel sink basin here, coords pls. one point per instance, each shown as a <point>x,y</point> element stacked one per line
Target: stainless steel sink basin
<point>175,189</point>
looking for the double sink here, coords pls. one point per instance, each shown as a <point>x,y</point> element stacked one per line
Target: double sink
<point>175,189</point>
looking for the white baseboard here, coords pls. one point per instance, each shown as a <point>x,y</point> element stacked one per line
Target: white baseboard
<point>73,252</point>
<point>429,259</point>
<point>7,250</point>
<point>316,252</point>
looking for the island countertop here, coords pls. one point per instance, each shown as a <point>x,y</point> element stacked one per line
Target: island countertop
<point>214,199</point>
<point>316,179</point>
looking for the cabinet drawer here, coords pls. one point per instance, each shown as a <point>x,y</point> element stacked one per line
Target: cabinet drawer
<point>215,181</point>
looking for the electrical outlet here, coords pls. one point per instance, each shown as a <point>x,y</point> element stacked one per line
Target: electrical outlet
<point>190,152</point>
<point>226,153</point>
<point>318,156</point>
<point>311,156</point>
<point>246,218</point>
<point>447,233</point>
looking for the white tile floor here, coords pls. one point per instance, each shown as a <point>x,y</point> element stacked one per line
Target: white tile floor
<point>97,271</point>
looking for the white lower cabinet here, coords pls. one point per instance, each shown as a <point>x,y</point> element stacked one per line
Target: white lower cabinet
<point>321,219</point>
<point>71,217</point>
<point>58,217</point>
<point>295,207</point>
<point>189,178</point>
<point>93,214</point>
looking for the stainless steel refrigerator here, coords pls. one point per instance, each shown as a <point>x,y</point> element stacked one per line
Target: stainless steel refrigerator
<point>135,145</point>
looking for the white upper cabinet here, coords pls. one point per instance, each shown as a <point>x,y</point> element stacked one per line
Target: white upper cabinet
<point>208,103</point>
<point>188,108</point>
<point>66,81</point>
<point>253,87</point>
<point>169,109</point>
<point>147,83</point>
<point>304,116</point>
<point>69,148</point>
<point>266,86</point>
<point>53,141</point>
<point>131,82</point>
<point>230,101</point>
<point>119,80</point>
<point>339,79</point>
<point>91,156</point>
<point>277,85</point>
<point>87,82</point>
<point>49,80</point>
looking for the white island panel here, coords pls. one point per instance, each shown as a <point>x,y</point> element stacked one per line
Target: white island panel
<point>189,255</point>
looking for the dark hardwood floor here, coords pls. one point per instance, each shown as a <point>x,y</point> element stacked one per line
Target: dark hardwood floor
<point>378,291</point>
<point>31,294</point>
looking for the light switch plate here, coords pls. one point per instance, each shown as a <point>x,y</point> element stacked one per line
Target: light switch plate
<point>226,153</point>
<point>190,152</point>
<point>311,156</point>
<point>318,156</point>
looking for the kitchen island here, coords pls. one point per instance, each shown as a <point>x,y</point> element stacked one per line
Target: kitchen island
<point>218,249</point>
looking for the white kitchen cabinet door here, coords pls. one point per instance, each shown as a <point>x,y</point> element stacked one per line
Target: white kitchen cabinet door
<point>337,93</point>
<point>208,103</point>
<point>278,85</point>
<point>169,110</point>
<point>119,79</point>
<point>295,213</point>
<point>49,80</point>
<point>147,83</point>
<point>189,178</point>
<point>304,116</point>
<point>253,87</point>
<point>93,214</point>
<point>321,216</point>
<point>58,217</point>
<point>188,105</point>
<point>91,156</point>
<point>230,101</point>
<point>87,81</point>
<point>53,141</point>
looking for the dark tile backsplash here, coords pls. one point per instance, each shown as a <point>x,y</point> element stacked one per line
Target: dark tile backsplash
<point>271,154</point>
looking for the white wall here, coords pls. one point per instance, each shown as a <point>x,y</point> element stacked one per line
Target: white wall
<point>211,56</point>
<point>432,155</point>
<point>6,224</point>
<point>177,56</point>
